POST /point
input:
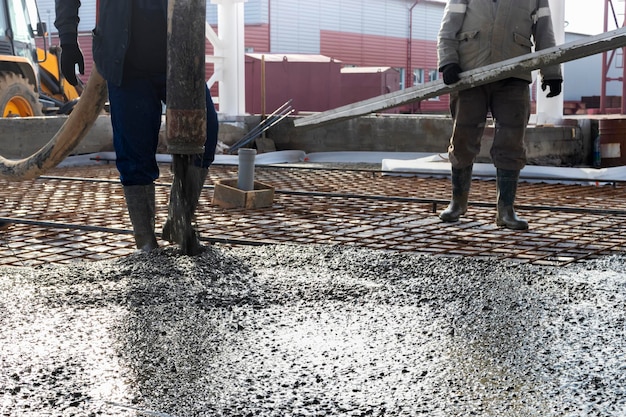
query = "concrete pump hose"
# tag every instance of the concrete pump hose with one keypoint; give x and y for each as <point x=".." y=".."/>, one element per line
<point x="77" y="125"/>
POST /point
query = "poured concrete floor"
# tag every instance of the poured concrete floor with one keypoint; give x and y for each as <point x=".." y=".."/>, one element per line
<point x="347" y="297"/>
<point x="313" y="330"/>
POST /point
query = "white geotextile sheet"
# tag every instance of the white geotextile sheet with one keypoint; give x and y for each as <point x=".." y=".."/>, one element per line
<point x="439" y="165"/>
<point x="395" y="163"/>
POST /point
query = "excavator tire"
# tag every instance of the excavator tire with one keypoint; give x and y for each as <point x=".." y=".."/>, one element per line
<point x="18" y="98"/>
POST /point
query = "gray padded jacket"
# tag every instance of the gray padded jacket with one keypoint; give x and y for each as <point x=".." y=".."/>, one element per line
<point x="475" y="33"/>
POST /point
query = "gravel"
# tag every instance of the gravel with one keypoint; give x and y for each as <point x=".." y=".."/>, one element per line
<point x="312" y="331"/>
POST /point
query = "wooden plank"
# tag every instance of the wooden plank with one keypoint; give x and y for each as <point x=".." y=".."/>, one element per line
<point x="557" y="55"/>
<point x="227" y="195"/>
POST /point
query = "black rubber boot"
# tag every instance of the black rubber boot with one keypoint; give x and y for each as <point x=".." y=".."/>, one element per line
<point x="506" y="183"/>
<point x="461" y="183"/>
<point x="141" y="208"/>
<point x="181" y="209"/>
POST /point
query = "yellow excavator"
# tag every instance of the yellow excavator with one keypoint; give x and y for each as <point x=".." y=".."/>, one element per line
<point x="31" y="82"/>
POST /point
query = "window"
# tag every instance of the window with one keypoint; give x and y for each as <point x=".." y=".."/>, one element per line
<point x="20" y="22"/>
<point x="418" y="76"/>
<point x="433" y="75"/>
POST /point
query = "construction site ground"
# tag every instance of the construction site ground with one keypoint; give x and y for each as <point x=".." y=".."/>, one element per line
<point x="78" y="214"/>
<point x="364" y="303"/>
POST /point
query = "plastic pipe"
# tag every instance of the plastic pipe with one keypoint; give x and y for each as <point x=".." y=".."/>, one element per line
<point x="245" y="180"/>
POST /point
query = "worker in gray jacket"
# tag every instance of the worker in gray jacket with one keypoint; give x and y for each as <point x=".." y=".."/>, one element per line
<point x="475" y="33"/>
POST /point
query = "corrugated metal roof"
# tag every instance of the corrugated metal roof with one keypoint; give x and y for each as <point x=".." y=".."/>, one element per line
<point x="292" y="57"/>
<point x="363" y="70"/>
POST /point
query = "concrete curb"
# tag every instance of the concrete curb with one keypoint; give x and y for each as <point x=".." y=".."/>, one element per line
<point x="568" y="145"/>
<point x="21" y="137"/>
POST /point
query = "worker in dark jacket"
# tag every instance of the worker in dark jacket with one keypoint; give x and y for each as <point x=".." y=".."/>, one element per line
<point x="475" y="33"/>
<point x="129" y="50"/>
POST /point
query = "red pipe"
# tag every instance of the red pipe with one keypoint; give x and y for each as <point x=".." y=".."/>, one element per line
<point x="604" y="61"/>
<point x="269" y="26"/>
<point x="408" y="77"/>
<point x="623" y="110"/>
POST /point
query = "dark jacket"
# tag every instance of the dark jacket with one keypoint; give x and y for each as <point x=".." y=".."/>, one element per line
<point x="117" y="51"/>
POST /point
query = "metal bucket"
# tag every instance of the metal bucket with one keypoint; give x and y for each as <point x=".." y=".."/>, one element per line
<point x="612" y="142"/>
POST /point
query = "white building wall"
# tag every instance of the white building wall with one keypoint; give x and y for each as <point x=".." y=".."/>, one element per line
<point x="87" y="14"/>
<point x="426" y="21"/>
<point x="583" y="77"/>
<point x="255" y="10"/>
<point x="295" y="26"/>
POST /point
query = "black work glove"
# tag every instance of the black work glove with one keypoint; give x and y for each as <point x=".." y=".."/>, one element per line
<point x="71" y="55"/>
<point x="451" y="73"/>
<point x="554" y="85"/>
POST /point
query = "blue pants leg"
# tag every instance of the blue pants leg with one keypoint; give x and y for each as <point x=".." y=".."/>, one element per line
<point x="136" y="119"/>
<point x="212" y="128"/>
<point x="136" y="109"/>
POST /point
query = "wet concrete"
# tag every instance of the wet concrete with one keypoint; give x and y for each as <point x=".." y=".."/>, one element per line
<point x="312" y="331"/>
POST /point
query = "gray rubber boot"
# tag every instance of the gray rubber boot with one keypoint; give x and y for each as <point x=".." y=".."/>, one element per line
<point x="506" y="183"/>
<point x="461" y="183"/>
<point x="141" y="208"/>
<point x="186" y="204"/>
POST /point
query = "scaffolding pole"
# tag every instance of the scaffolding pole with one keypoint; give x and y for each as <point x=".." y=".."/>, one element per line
<point x="609" y="58"/>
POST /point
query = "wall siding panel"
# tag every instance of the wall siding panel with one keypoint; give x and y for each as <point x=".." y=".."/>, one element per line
<point x="87" y="13"/>
<point x="371" y="50"/>
<point x="355" y="32"/>
<point x="295" y="28"/>
<point x="257" y="38"/>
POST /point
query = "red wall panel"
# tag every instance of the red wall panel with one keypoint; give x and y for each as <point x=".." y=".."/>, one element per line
<point x="313" y="85"/>
<point x="349" y="48"/>
<point x="369" y="50"/>
<point x="257" y="38"/>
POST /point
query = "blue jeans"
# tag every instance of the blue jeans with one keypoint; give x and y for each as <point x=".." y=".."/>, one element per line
<point x="136" y="109"/>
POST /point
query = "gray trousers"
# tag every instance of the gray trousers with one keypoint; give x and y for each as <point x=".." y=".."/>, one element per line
<point x="509" y="103"/>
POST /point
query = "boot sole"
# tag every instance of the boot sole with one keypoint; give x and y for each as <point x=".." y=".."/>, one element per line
<point x="511" y="226"/>
<point x="449" y="218"/>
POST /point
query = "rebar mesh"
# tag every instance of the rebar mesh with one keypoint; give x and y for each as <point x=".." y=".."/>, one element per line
<point x="77" y="214"/>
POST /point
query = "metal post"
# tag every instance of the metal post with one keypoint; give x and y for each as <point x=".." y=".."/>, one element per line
<point x="605" y="57"/>
<point x="623" y="109"/>
<point x="550" y="110"/>
<point x="230" y="50"/>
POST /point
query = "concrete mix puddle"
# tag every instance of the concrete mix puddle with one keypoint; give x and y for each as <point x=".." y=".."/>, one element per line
<point x="312" y="331"/>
